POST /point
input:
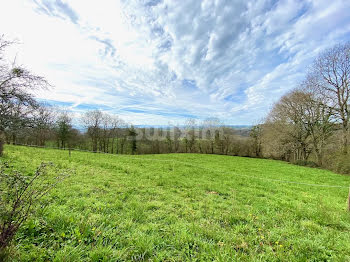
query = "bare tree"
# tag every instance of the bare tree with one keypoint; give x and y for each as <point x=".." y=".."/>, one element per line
<point x="317" y="117"/>
<point x="168" y="141"/>
<point x="177" y="135"/>
<point x="16" y="103"/>
<point x="93" y="121"/>
<point x="331" y="74"/>
<point x="106" y="126"/>
<point x="116" y="124"/>
<point x="190" y="139"/>
<point x="256" y="135"/>
<point x="210" y="125"/>
<point x="301" y="122"/>
<point x="287" y="116"/>
<point x="44" y="120"/>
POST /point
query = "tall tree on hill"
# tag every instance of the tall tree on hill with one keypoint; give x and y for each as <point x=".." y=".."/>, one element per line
<point x="16" y="103"/>
<point x="331" y="74"/>
<point x="302" y="122"/>
<point x="318" y="118"/>
<point x="287" y="118"/>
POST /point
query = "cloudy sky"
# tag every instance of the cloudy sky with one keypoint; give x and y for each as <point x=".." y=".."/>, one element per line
<point x="162" y="61"/>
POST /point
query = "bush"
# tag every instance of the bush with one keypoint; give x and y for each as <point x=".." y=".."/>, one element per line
<point x="20" y="195"/>
<point x="343" y="164"/>
<point x="306" y="163"/>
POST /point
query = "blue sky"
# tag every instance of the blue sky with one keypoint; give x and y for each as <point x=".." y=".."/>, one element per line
<point x="162" y="61"/>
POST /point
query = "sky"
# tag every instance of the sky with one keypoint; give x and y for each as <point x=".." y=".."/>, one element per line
<point x="159" y="62"/>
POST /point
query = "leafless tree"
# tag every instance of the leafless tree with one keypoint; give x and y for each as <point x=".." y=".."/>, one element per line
<point x="17" y="104"/>
<point x="318" y="117"/>
<point x="301" y="122"/>
<point x="256" y="134"/>
<point x="331" y="74"/>
<point x="93" y="121"/>
<point x="44" y="120"/>
<point x="190" y="139"/>
<point x="210" y="125"/>
<point x="106" y="126"/>
<point x="116" y="124"/>
<point x="287" y="117"/>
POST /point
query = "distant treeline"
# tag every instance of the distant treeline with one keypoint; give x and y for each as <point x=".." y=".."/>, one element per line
<point x="307" y="126"/>
<point x="108" y="133"/>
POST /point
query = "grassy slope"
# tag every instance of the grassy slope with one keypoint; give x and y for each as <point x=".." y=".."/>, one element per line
<point x="198" y="207"/>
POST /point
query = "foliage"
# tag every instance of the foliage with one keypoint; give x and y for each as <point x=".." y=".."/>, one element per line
<point x="132" y="136"/>
<point x="20" y="195"/>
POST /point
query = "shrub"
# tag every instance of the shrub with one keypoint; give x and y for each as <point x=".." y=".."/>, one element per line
<point x="20" y="195"/>
<point x="343" y="164"/>
<point x="306" y="163"/>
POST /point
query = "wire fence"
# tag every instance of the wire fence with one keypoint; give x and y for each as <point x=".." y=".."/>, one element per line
<point x="173" y="161"/>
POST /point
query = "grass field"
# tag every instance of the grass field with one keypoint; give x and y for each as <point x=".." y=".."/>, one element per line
<point x="180" y="207"/>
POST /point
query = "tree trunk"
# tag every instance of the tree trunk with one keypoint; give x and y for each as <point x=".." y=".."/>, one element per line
<point x="2" y="142"/>
<point x="318" y="157"/>
<point x="345" y="139"/>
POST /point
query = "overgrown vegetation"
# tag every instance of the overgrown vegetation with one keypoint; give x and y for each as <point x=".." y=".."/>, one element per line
<point x="180" y="207"/>
<point x="20" y="195"/>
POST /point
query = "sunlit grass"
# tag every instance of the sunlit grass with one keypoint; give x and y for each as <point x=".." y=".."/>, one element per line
<point x="178" y="207"/>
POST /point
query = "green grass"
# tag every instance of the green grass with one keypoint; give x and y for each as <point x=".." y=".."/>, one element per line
<point x="180" y="207"/>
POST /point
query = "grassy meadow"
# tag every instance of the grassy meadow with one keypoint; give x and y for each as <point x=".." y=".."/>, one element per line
<point x="183" y="207"/>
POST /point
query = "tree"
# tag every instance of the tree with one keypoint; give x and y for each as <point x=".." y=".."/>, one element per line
<point x="105" y="132"/>
<point x="168" y="141"/>
<point x="16" y="103"/>
<point x="177" y="135"/>
<point x="317" y="118"/>
<point x="190" y="139"/>
<point x="301" y="122"/>
<point x="256" y="135"/>
<point x="210" y="125"/>
<point x="63" y="128"/>
<point x="287" y="118"/>
<point x="92" y="121"/>
<point x="331" y="74"/>
<point x="44" y="119"/>
<point x="132" y="136"/>
<point x="116" y="124"/>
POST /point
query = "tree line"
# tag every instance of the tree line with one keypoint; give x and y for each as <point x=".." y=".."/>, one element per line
<point x="309" y="125"/>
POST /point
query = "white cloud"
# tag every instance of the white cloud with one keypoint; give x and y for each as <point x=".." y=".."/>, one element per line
<point x="136" y="57"/>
